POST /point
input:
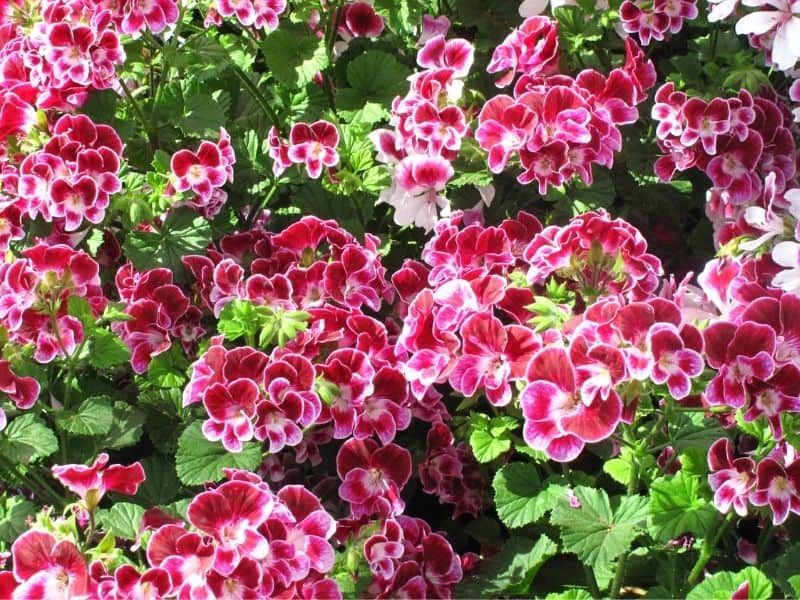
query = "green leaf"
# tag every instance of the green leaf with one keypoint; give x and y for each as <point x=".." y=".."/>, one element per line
<point x="123" y="519"/>
<point x="570" y="594"/>
<point x="107" y="350"/>
<point x="490" y="437"/>
<point x="676" y="507"/>
<point x="161" y="485"/>
<point x="783" y="568"/>
<point x="15" y="511"/>
<point x="520" y="497"/>
<point x="720" y="586"/>
<point x="204" y="113"/>
<point x="374" y="76"/>
<point x="510" y="572"/>
<point x="126" y="427"/>
<point x="486" y="447"/>
<point x="184" y="232"/>
<point x="241" y="318"/>
<point x="594" y="531"/>
<point x="168" y="369"/>
<point x="27" y="439"/>
<point x="79" y="308"/>
<point x="199" y="460"/>
<point x="94" y="417"/>
<point x="294" y="55"/>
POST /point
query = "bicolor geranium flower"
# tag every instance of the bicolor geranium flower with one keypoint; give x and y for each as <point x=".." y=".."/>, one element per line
<point x="674" y="363"/>
<point x="153" y="583"/>
<point x="532" y="49"/>
<point x="22" y="391"/>
<point x="47" y="567"/>
<point x="187" y="556"/>
<point x="492" y="356"/>
<point x="232" y="514"/>
<point x="505" y="127"/>
<point x="314" y="145"/>
<point x="456" y="54"/>
<point x="731" y="479"/>
<point x="415" y="192"/>
<point x="231" y="409"/>
<point x="557" y="421"/>
<point x="742" y="354"/>
<point x="705" y="121"/>
<point x="777" y="487"/>
<point x="783" y="22"/>
<point x="359" y="19"/>
<point x="451" y="472"/>
<point x="373" y="477"/>
<point x="200" y="172"/>
<point x="260" y="14"/>
<point x="92" y="483"/>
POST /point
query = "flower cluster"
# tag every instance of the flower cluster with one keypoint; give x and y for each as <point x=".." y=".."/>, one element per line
<point x="70" y="49"/>
<point x="343" y="354"/>
<point x="34" y="294"/>
<point x="428" y="129"/>
<point x="557" y="126"/>
<point x="408" y="560"/>
<point x="655" y="19"/>
<point x="453" y="330"/>
<point x="66" y="182"/>
<point x="258" y="14"/>
<point x="773" y="482"/>
<point x="738" y="142"/>
<point x="134" y="16"/>
<point x="311" y="145"/>
<point x="745" y="146"/>
<point x="158" y="312"/>
<point x="245" y="540"/>
<point x="451" y="473"/>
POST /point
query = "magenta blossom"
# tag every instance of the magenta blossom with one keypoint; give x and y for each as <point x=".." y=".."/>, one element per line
<point x="92" y="483"/>
<point x="232" y="514"/>
<point x="557" y="421"/>
<point x="778" y="487"/>
<point x="373" y="477"/>
<point x="314" y="145"/>
<point x="731" y="479"/>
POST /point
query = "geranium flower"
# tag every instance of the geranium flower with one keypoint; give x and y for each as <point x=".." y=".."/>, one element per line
<point x="232" y="514"/>
<point x="778" y="487"/>
<point x="782" y="21"/>
<point x="200" y="172"/>
<point x="92" y="483"/>
<point x="731" y="479"/>
<point x="47" y="567"/>
<point x="314" y="145"/>
<point x="372" y="477"/>
<point x="415" y="190"/>
<point x="674" y="363"/>
<point x="231" y="409"/>
<point x="456" y="54"/>
<point x="557" y="421"/>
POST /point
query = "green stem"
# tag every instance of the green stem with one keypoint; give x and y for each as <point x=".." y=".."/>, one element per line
<point x="336" y="13"/>
<point x="40" y="488"/>
<point x="633" y="482"/>
<point x="591" y="582"/>
<point x="261" y="205"/>
<point x="707" y="550"/>
<point x="137" y="110"/>
<point x="258" y="97"/>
